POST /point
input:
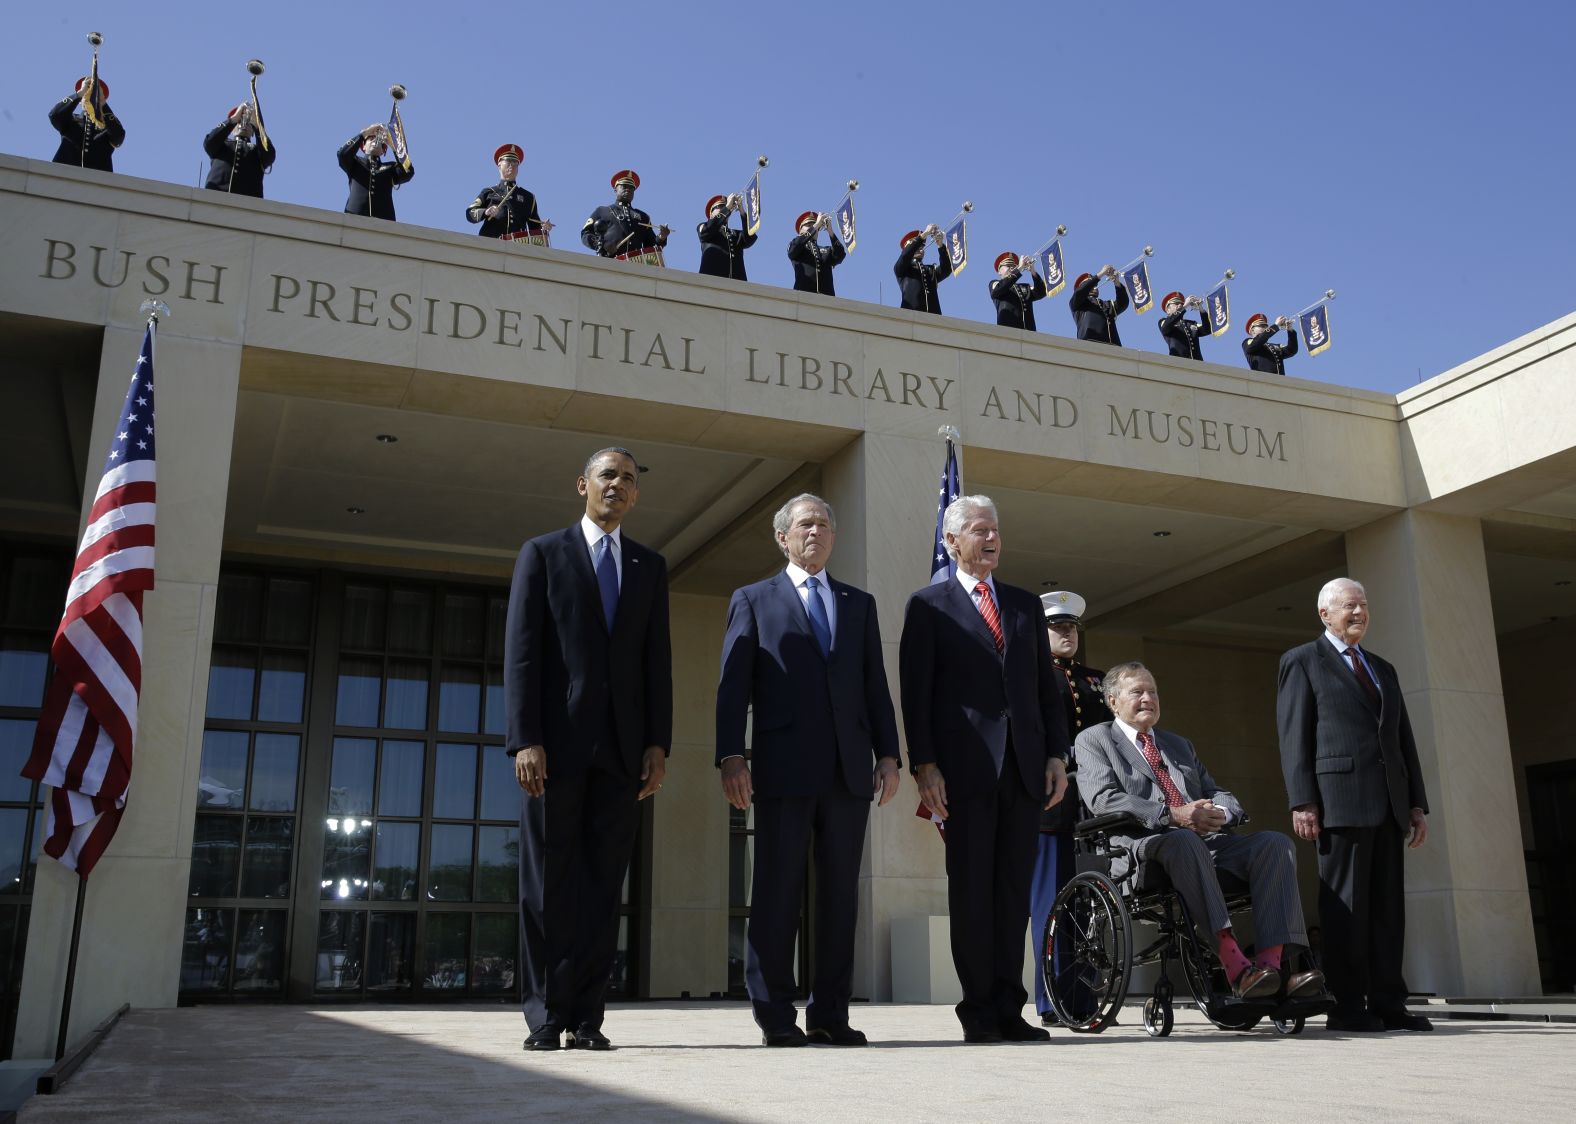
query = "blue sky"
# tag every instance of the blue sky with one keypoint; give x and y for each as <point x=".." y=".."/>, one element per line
<point x="1417" y="159"/>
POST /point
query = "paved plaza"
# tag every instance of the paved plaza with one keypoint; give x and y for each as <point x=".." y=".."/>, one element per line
<point x="701" y="1061"/>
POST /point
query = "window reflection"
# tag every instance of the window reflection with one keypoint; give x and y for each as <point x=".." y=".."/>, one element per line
<point x="205" y="950"/>
<point x="463" y="624"/>
<point x="410" y="621"/>
<point x="16" y="744"/>
<point x="405" y="701"/>
<point x="360" y="680"/>
<point x="289" y="611"/>
<point x="350" y="777"/>
<point x="347" y="859"/>
<point x="24" y="663"/>
<point x="392" y="951"/>
<point x="454" y="782"/>
<point x="221" y="778"/>
<point x="500" y="790"/>
<point x="395" y="862"/>
<point x="497" y="949"/>
<point x="259" y="950"/>
<point x="283" y="687"/>
<point x="239" y="609"/>
<point x="450" y="877"/>
<point x="460" y="698"/>
<point x="447" y="951"/>
<point x="341" y="937"/>
<point x="400" y="781"/>
<point x="265" y="866"/>
<point x="35" y="593"/>
<point x="497" y="864"/>
<point x="13" y="848"/>
<point x="231" y="676"/>
<point x="274" y="761"/>
<point x="362" y="618"/>
<point x="216" y="854"/>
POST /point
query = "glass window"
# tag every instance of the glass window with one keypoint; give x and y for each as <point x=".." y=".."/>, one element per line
<point x="289" y="611"/>
<point x="447" y="951"/>
<point x="13" y="944"/>
<point x="341" y="938"/>
<point x="400" y="781"/>
<point x="464" y="624"/>
<point x="265" y="867"/>
<point x="347" y="859"/>
<point x="239" y="609"/>
<point x="500" y="790"/>
<point x="24" y="665"/>
<point x="283" y="689"/>
<point x="16" y="745"/>
<point x="494" y="722"/>
<point x="216" y="855"/>
<point x="497" y="864"/>
<point x="359" y="682"/>
<point x="13" y="848"/>
<point x="275" y="759"/>
<point x="450" y="866"/>
<point x="36" y="593"/>
<point x="260" y="950"/>
<point x="460" y="698"/>
<point x="350" y="778"/>
<point x="454" y="782"/>
<point x="231" y="676"/>
<point x="392" y="953"/>
<point x="362" y="618"/>
<point x="497" y="618"/>
<point x="221" y="779"/>
<point x="405" y="705"/>
<point x="410" y="621"/>
<point x="394" y="872"/>
<point x="205" y="950"/>
<point x="497" y="950"/>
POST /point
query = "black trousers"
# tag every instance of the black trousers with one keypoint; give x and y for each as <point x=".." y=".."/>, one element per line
<point x="784" y="827"/>
<point x="992" y="839"/>
<point x="1362" y="907"/>
<point x="575" y="843"/>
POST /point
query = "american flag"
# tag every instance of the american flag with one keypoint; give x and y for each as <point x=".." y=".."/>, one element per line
<point x="942" y="567"/>
<point x="83" y="745"/>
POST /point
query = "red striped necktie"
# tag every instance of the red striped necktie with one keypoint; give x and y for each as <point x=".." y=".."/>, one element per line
<point x="1151" y="752"/>
<point x="992" y="616"/>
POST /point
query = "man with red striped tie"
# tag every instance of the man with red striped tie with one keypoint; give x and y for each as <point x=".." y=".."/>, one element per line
<point x="987" y="743"/>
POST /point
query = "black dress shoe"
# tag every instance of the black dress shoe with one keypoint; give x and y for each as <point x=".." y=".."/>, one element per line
<point x="587" y="1038"/>
<point x="1020" y="1031"/>
<point x="545" y="1038"/>
<point x="1360" y="1023"/>
<point x="1304" y="985"/>
<point x="788" y="1036"/>
<point x="1403" y="1020"/>
<point x="981" y="1037"/>
<point x="836" y="1036"/>
<point x="1050" y="1019"/>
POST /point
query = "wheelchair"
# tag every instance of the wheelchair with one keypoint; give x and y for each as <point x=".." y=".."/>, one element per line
<point x="1087" y="952"/>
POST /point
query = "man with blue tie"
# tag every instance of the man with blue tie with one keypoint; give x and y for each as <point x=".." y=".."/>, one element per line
<point x="805" y="651"/>
<point x="588" y="694"/>
<point x="987" y="742"/>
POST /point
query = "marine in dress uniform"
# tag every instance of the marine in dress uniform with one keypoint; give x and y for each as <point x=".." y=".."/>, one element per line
<point x="812" y="262"/>
<point x="372" y="179"/>
<point x="1182" y="335"/>
<point x="238" y="160"/>
<point x="621" y="228"/>
<point x="1014" y="301"/>
<point x="917" y="280"/>
<point x="1094" y="318"/>
<point x="82" y="143"/>
<point x="1083" y="702"/>
<point x="721" y="246"/>
<point x="1269" y="358"/>
<point x="506" y="210"/>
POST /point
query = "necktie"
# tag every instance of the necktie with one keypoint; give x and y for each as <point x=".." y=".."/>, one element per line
<point x="607" y="579"/>
<point x="1364" y="680"/>
<point x="992" y="617"/>
<point x="818" y="621"/>
<point x="1146" y="746"/>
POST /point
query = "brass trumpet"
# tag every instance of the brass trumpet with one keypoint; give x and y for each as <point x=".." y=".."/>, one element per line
<point x="254" y="67"/>
<point x="90" y="100"/>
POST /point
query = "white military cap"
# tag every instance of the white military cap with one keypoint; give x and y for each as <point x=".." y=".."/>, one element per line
<point x="1063" y="605"/>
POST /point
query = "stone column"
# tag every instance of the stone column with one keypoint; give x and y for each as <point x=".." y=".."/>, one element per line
<point x="1469" y="923"/>
<point x="136" y="899"/>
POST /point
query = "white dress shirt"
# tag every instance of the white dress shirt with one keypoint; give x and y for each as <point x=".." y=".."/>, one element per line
<point x="1131" y="734"/>
<point x="594" y="536"/>
<point x="1340" y="650"/>
<point x="798" y="576"/>
<point x="968" y="581"/>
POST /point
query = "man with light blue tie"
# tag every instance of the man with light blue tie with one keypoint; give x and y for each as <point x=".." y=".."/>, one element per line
<point x="588" y="695"/>
<point x="805" y="651"/>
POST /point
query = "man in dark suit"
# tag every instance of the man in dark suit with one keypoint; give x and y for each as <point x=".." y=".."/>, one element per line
<point x="83" y="143"/>
<point x="238" y="154"/>
<point x="588" y="691"/>
<point x="372" y="179"/>
<point x="1127" y="765"/>
<point x="506" y="210"/>
<point x="721" y="246"/>
<point x="805" y="650"/>
<point x="621" y="228"/>
<point x="1095" y="319"/>
<point x="987" y="741"/>
<point x="1180" y="333"/>
<point x="1262" y="355"/>
<point x="917" y="281"/>
<point x="1355" y="788"/>
<point x="812" y="262"/>
<point x="1015" y="302"/>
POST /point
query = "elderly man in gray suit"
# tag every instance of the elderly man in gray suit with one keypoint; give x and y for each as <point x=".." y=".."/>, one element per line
<point x="1127" y="765"/>
<point x="1356" y="791"/>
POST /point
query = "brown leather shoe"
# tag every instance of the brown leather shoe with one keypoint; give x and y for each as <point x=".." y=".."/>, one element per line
<point x="1256" y="983"/>
<point x="1302" y="985"/>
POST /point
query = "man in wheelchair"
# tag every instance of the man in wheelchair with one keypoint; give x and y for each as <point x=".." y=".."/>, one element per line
<point x="1181" y="821"/>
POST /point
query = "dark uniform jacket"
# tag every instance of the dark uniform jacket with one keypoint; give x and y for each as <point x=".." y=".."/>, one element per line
<point x="1182" y="334"/>
<point x="1083" y="701"/>
<point x="80" y="143"/>
<point x="918" y="281"/>
<point x="722" y="248"/>
<point x="1270" y="358"/>
<point x="237" y="167"/>
<point x="516" y="210"/>
<point x="372" y="182"/>
<point x="616" y="229"/>
<point x="1014" y="306"/>
<point x="813" y="263"/>
<point x="1094" y="318"/>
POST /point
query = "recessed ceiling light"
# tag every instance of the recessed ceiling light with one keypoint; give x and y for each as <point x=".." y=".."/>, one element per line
<point x="1563" y="581"/>
<point x="354" y="510"/>
<point x="1049" y="581"/>
<point x="387" y="439"/>
<point x="1283" y="608"/>
<point x="1162" y="534"/>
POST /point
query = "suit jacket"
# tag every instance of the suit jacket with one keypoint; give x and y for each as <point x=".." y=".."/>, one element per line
<point x="1270" y="358"/>
<point x="818" y="718"/>
<point x="813" y="264"/>
<point x="1357" y="762"/>
<point x="1114" y="777"/>
<point x="1083" y="701"/>
<point x="569" y="684"/>
<point x="722" y="248"/>
<point x="1015" y="302"/>
<point x="516" y="210"/>
<point x="1182" y="335"/>
<point x="1094" y="318"/>
<point x="238" y="170"/>
<point x="616" y="229"/>
<point x="918" y="281"/>
<point x="82" y="144"/>
<point x="372" y="182"/>
<point x="962" y="701"/>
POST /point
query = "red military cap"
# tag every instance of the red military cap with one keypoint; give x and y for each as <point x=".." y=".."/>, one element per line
<point x="511" y="150"/>
<point x="1006" y="255"/>
<point x="626" y="176"/>
<point x="713" y="201"/>
<point x="906" y="239"/>
<point x="808" y="216"/>
<point x="235" y="111"/>
<point x="1082" y="277"/>
<point x="1256" y="318"/>
<point x="103" y="88"/>
<point x="1171" y="296"/>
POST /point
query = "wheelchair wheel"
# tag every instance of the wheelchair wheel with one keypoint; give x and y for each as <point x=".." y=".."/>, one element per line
<point x="1289" y="1026"/>
<point x="1158" y="1018"/>
<point x="1086" y="954"/>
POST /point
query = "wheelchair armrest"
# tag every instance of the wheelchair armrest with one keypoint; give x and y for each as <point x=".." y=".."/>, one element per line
<point x="1106" y="822"/>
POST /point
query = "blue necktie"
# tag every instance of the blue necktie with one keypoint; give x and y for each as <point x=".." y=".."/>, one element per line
<point x="818" y="622"/>
<point x="607" y="580"/>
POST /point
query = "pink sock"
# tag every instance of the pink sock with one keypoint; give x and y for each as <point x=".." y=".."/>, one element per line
<point x="1269" y="957"/>
<point x="1231" y="954"/>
